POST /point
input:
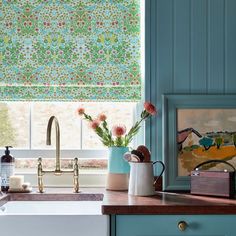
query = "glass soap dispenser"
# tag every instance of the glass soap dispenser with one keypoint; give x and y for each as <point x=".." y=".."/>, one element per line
<point x="7" y="168"/>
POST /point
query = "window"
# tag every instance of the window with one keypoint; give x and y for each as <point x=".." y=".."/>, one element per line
<point x="59" y="53"/>
<point x="23" y="125"/>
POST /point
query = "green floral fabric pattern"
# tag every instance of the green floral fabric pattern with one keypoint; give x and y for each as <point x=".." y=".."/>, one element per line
<point x="81" y="50"/>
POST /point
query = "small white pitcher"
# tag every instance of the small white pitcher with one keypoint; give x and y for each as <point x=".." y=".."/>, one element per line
<point x="141" y="182"/>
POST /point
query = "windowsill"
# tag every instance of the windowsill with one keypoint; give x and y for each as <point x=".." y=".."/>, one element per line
<point x="81" y="172"/>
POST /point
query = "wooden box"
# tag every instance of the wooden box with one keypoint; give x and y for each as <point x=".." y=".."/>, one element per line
<point x="213" y="183"/>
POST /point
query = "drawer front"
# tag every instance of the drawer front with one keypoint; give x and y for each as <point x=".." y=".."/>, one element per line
<point x="168" y="225"/>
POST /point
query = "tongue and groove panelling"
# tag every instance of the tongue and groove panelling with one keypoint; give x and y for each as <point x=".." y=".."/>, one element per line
<point x="190" y="49"/>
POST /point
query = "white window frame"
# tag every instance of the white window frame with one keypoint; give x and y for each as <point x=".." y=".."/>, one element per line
<point x="65" y="153"/>
<point x="72" y="153"/>
<point x="88" y="178"/>
<point x="79" y="152"/>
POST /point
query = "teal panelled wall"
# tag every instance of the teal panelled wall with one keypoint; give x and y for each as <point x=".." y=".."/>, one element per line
<point x="190" y="49"/>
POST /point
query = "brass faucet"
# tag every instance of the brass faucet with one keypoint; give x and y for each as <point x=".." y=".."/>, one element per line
<point x="58" y="170"/>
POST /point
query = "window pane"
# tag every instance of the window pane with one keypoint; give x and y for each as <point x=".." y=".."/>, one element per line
<point x="117" y="113"/>
<point x="68" y="121"/>
<point x="14" y="124"/>
<point x="15" y="121"/>
<point x="29" y="165"/>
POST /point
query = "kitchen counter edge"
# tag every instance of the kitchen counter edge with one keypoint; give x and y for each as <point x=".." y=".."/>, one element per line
<point x="120" y="203"/>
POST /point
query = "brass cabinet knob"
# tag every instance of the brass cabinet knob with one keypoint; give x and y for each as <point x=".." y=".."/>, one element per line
<point x="182" y="225"/>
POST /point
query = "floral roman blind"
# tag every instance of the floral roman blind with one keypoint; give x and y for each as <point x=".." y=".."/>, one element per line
<point x="71" y="50"/>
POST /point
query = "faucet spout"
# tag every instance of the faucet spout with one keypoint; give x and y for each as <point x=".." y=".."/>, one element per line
<point x="57" y="171"/>
<point x="48" y="141"/>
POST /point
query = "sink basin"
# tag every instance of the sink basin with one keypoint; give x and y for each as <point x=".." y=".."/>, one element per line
<point x="51" y="208"/>
<point x="54" y="218"/>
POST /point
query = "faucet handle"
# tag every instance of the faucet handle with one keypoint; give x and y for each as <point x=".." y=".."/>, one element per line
<point x="40" y="175"/>
<point x="40" y="167"/>
<point x="76" y="175"/>
<point x="76" y="160"/>
<point x="76" y="167"/>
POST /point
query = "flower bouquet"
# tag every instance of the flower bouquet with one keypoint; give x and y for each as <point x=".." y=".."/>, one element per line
<point x="117" y="140"/>
<point x="118" y="135"/>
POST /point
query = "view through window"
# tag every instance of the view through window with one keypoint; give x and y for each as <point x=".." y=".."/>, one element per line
<point x="23" y="125"/>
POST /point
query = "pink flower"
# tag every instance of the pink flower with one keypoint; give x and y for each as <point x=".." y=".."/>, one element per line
<point x="80" y="111"/>
<point x="150" y="108"/>
<point x="102" y="117"/>
<point x="118" y="130"/>
<point x="94" y="124"/>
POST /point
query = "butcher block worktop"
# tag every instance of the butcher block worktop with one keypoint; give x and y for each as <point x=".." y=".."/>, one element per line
<point x="166" y="203"/>
<point x="119" y="202"/>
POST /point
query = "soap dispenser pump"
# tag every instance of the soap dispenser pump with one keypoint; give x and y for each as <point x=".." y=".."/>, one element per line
<point x="7" y="168"/>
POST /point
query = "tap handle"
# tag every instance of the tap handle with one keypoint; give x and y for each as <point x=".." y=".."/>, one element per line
<point x="76" y="175"/>
<point x="40" y="167"/>
<point x="76" y="160"/>
<point x="76" y="167"/>
<point x="40" y="175"/>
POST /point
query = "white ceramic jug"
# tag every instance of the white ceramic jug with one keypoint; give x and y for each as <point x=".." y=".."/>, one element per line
<point x="141" y="182"/>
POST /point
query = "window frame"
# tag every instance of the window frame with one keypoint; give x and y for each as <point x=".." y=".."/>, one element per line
<point x="65" y="153"/>
<point x="72" y="153"/>
<point x="88" y="178"/>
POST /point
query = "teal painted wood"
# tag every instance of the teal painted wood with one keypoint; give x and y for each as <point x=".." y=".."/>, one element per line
<point x="230" y="39"/>
<point x="215" y="44"/>
<point x="164" y="51"/>
<point x="116" y="163"/>
<point x="112" y="225"/>
<point x="199" y="46"/>
<point x="162" y="31"/>
<point x="170" y="104"/>
<point x="153" y="84"/>
<point x="182" y="54"/>
<point x="150" y="60"/>
<point x="203" y="46"/>
<point x="166" y="225"/>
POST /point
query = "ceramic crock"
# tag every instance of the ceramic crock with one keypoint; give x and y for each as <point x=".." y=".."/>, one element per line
<point x="118" y="169"/>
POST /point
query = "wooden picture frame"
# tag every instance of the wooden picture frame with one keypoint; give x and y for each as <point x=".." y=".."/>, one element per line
<point x="172" y="104"/>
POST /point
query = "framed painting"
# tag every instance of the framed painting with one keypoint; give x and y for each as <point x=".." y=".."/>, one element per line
<point x="196" y="128"/>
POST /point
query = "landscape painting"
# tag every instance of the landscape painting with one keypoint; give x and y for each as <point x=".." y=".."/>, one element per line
<point x="205" y="134"/>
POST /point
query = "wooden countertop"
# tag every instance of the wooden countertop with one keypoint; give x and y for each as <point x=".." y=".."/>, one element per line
<point x="165" y="203"/>
<point x="119" y="202"/>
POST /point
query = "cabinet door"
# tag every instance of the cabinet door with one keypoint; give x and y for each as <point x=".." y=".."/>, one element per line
<point x="167" y="225"/>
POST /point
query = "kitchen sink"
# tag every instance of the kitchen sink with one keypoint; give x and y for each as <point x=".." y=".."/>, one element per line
<point x="51" y="208"/>
<point x="53" y="218"/>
